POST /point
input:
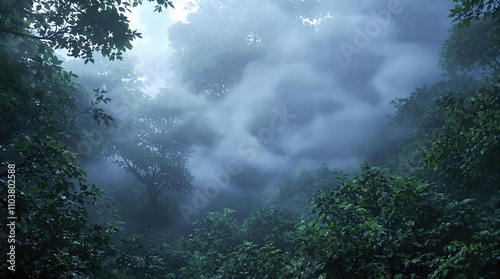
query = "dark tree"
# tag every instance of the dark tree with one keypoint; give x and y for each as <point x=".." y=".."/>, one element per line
<point x="154" y="145"/>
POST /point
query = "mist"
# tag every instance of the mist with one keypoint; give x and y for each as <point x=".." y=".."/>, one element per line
<point x="250" y="139"/>
<point x="305" y="84"/>
<point x="308" y="83"/>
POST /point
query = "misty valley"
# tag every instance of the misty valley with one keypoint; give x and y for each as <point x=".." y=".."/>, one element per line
<point x="250" y="139"/>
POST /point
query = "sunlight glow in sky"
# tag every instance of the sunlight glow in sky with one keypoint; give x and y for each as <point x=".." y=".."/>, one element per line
<point x="154" y="43"/>
<point x="180" y="13"/>
<point x="183" y="9"/>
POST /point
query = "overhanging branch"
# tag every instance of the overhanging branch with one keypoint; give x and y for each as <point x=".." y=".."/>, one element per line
<point x="31" y="36"/>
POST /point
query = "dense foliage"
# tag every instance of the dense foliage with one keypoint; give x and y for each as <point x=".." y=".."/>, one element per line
<point x="38" y="101"/>
<point x="40" y="106"/>
<point x="429" y="210"/>
<point x="392" y="226"/>
<point x="80" y="27"/>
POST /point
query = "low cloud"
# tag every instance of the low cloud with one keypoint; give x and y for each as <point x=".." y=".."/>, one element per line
<point x="338" y="99"/>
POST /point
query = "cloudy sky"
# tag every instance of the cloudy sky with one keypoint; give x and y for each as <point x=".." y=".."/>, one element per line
<point x="315" y="82"/>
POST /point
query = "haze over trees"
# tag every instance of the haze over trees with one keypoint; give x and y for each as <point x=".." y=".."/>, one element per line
<point x="424" y="204"/>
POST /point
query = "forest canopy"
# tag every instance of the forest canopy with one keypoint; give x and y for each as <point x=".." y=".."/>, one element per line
<point x="424" y="204"/>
